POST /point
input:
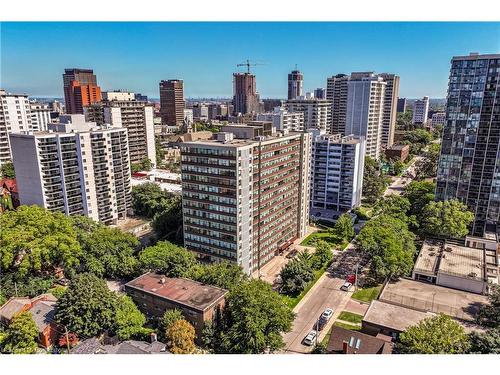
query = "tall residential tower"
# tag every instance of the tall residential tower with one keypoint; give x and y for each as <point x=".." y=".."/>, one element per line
<point x="80" y="89"/>
<point x="172" y="102"/>
<point x="295" y="82"/>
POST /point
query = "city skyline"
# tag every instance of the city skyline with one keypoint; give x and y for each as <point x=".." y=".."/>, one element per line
<point x="136" y="56"/>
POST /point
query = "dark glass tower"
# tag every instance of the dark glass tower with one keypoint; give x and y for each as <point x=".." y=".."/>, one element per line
<point x="469" y="164"/>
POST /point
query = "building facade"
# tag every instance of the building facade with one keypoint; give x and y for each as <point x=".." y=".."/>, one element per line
<point x="365" y="110"/>
<point x="40" y="116"/>
<point x="136" y="117"/>
<point x="283" y="119"/>
<point x="245" y="97"/>
<point x="172" y="102"/>
<point x="295" y="83"/>
<point x="336" y="93"/>
<point x="438" y="119"/>
<point x="317" y="112"/>
<point x="401" y="105"/>
<point x="76" y="168"/>
<point x="469" y="164"/>
<point x="245" y="200"/>
<point x="336" y="174"/>
<point x="15" y="117"/>
<point x="421" y="111"/>
<point x="118" y="95"/>
<point x="390" y="108"/>
<point x="80" y="89"/>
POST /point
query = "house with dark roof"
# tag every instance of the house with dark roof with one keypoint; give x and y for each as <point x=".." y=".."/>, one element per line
<point x="199" y="303"/>
<point x="42" y="310"/>
<point x="344" y="341"/>
<point x="93" y="346"/>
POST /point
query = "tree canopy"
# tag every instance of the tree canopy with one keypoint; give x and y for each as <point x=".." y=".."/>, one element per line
<point x="180" y="337"/>
<point x="435" y="335"/>
<point x="255" y="317"/>
<point x="485" y="342"/>
<point x="33" y="240"/>
<point x="295" y="276"/>
<point x="419" y="194"/>
<point x="489" y="315"/>
<point x="344" y="227"/>
<point x="374" y="182"/>
<point x="223" y="275"/>
<point x="128" y="321"/>
<point x="7" y="170"/>
<point x="449" y="218"/>
<point x="168" y="259"/>
<point x="427" y="166"/>
<point x="168" y="319"/>
<point x="395" y="206"/>
<point x="21" y="335"/>
<point x="87" y="307"/>
<point x="389" y="244"/>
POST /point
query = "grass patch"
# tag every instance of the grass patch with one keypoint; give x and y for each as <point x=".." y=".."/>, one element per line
<point x="347" y="326"/>
<point x="350" y="317"/>
<point x="327" y="337"/>
<point x="293" y="301"/>
<point x="367" y="294"/>
<point x="363" y="212"/>
<point x="326" y="236"/>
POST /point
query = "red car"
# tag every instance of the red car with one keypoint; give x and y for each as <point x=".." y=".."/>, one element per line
<point x="351" y="278"/>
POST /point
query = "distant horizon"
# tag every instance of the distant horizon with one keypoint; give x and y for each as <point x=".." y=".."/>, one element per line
<point x="136" y="56"/>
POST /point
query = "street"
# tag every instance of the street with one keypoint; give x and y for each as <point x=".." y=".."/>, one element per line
<point x="399" y="183"/>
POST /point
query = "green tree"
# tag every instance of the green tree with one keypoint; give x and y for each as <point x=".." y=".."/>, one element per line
<point x="404" y="120"/>
<point x="435" y="335"/>
<point x="223" y="275"/>
<point x="295" y="276"/>
<point x="87" y="307"/>
<point x="168" y="259"/>
<point x="255" y="317"/>
<point x="30" y="286"/>
<point x="209" y="336"/>
<point x="485" y="342"/>
<point x="417" y="139"/>
<point x="128" y="320"/>
<point x="107" y="252"/>
<point x="419" y="194"/>
<point x="389" y="245"/>
<point x="398" y="167"/>
<point x="322" y="256"/>
<point x="146" y="199"/>
<point x="449" y="218"/>
<point x="57" y="291"/>
<point x="169" y="318"/>
<point x="344" y="228"/>
<point x="427" y="166"/>
<point x="160" y="152"/>
<point x="21" y="335"/>
<point x="180" y="337"/>
<point x="34" y="239"/>
<point x="374" y="182"/>
<point x="167" y="222"/>
<point x="144" y="165"/>
<point x="320" y="348"/>
<point x="7" y="170"/>
<point x="489" y="315"/>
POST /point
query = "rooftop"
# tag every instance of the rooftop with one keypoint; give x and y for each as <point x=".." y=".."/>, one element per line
<point x="183" y="291"/>
<point x="397" y="318"/>
<point x="450" y="258"/>
<point x="358" y="343"/>
<point x="237" y="142"/>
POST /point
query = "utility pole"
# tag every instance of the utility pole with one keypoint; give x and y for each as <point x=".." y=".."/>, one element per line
<point x="356" y="278"/>
<point x="67" y="338"/>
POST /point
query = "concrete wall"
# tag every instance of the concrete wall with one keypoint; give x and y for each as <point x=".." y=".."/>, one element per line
<point x="461" y="283"/>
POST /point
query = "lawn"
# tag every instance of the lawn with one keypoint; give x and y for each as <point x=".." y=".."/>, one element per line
<point x="367" y="294"/>
<point x="326" y="236"/>
<point x="350" y="317"/>
<point x="352" y="327"/>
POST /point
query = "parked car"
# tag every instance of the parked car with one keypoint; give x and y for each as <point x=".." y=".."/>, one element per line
<point x="310" y="339"/>
<point x="324" y="318"/>
<point x="291" y="254"/>
<point x="346" y="286"/>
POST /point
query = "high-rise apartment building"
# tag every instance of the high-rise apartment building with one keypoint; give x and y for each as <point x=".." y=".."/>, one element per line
<point x="317" y="112"/>
<point x="390" y="107"/>
<point x="401" y="105"/>
<point x="245" y="200"/>
<point x="80" y="89"/>
<point x="118" y="95"/>
<point x="136" y="117"/>
<point x="40" y="116"/>
<point x="336" y="93"/>
<point x="336" y="174"/>
<point x="469" y="164"/>
<point x="172" y="102"/>
<point x="200" y="112"/>
<point x="15" y="117"/>
<point x="295" y="82"/>
<point x="76" y="168"/>
<point x="365" y="110"/>
<point x="283" y="119"/>
<point x="421" y="111"/>
<point x="245" y="97"/>
<point x="438" y="119"/>
<point x="320" y="93"/>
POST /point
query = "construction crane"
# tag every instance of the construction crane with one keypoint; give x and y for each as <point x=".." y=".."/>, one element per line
<point x="248" y="64"/>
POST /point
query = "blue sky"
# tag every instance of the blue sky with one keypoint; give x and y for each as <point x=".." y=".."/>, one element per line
<point x="136" y="56"/>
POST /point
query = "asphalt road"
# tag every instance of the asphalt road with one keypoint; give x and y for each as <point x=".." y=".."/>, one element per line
<point x="399" y="183"/>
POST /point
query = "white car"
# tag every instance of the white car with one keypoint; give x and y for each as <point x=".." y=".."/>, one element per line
<point x="346" y="286"/>
<point x="310" y="339"/>
<point x="327" y="314"/>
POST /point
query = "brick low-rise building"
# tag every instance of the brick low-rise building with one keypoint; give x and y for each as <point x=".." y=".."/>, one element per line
<point x="199" y="303"/>
<point x="398" y="152"/>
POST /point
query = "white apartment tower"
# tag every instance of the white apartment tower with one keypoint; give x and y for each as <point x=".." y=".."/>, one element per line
<point x="317" y="112"/>
<point x="421" y="110"/>
<point x="40" y="116"/>
<point x="245" y="200"/>
<point x="283" y="119"/>
<point x="336" y="174"/>
<point x="390" y="108"/>
<point x="76" y="167"/>
<point x="14" y="117"/>
<point x="365" y="110"/>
